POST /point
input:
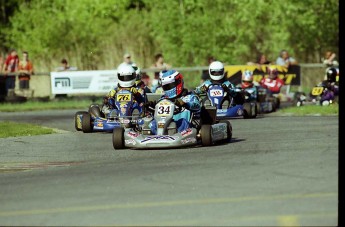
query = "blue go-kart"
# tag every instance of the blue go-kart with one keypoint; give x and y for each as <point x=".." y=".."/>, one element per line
<point x="126" y="113"/>
<point x="226" y="105"/>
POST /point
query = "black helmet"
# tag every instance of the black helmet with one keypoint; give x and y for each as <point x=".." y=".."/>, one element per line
<point x="331" y="74"/>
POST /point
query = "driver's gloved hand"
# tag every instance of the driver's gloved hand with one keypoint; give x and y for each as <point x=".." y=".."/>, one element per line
<point x="203" y="88"/>
<point x="179" y="102"/>
<point x="226" y="88"/>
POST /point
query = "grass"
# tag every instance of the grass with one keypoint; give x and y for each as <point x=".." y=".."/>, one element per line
<point x="37" y="105"/>
<point x="13" y="129"/>
<point x="311" y="110"/>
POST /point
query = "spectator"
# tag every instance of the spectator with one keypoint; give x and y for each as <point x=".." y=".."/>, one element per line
<point x="205" y="75"/>
<point x="260" y="60"/>
<point x="11" y="66"/>
<point x="159" y="65"/>
<point x="285" y="60"/>
<point x="65" y="66"/>
<point x="145" y="83"/>
<point x="127" y="59"/>
<point x="25" y="71"/>
<point x="329" y="59"/>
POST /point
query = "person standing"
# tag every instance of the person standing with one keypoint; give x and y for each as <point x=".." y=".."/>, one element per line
<point x="25" y="69"/>
<point x="11" y="67"/>
<point x="285" y="60"/>
<point x="159" y="65"/>
<point x="127" y="59"/>
<point x="329" y="59"/>
<point x="65" y="66"/>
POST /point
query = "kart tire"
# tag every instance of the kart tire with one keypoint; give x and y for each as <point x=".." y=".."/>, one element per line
<point x="229" y="130"/>
<point x="94" y="110"/>
<point x="75" y="120"/>
<point x="274" y="107"/>
<point x="258" y="108"/>
<point x="206" y="135"/>
<point x="277" y="103"/>
<point x="118" y="138"/>
<point x="247" y="111"/>
<point x="86" y="123"/>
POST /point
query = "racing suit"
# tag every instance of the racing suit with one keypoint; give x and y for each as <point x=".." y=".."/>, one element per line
<point x="233" y="92"/>
<point x="109" y="100"/>
<point x="272" y="85"/>
<point x="189" y="101"/>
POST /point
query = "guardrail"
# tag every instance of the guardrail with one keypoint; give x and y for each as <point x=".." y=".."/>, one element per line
<point x="186" y="69"/>
<point x="311" y="74"/>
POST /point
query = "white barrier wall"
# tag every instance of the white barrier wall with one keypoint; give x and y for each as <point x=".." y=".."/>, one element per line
<point x="83" y="82"/>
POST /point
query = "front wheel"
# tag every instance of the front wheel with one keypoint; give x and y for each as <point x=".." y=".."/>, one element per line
<point x="206" y="135"/>
<point x="118" y="138"/>
<point x="229" y="130"/>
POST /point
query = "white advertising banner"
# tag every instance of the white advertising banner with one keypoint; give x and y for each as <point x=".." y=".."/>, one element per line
<point x="79" y="82"/>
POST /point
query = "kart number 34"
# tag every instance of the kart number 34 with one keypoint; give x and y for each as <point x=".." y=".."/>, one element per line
<point x="164" y="110"/>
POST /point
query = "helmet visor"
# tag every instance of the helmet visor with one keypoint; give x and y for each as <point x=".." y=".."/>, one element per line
<point x="167" y="87"/>
<point x="217" y="72"/>
<point x="126" y="77"/>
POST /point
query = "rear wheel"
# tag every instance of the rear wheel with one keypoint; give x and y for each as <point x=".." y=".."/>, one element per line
<point x="86" y="123"/>
<point x="229" y="130"/>
<point x="258" y="108"/>
<point x="118" y="138"/>
<point x="247" y="110"/>
<point x="77" y="121"/>
<point x="206" y="135"/>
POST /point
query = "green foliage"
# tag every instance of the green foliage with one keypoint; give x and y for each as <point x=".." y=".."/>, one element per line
<point x="94" y="34"/>
<point x="14" y="129"/>
<point x="35" y="105"/>
<point x="310" y="110"/>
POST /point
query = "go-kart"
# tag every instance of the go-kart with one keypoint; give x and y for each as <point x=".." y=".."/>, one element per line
<point x="226" y="105"/>
<point x="319" y="95"/>
<point x="205" y="129"/>
<point x="125" y="114"/>
<point x="266" y="102"/>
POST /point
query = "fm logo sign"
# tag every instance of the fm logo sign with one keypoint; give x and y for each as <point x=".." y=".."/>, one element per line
<point x="61" y="82"/>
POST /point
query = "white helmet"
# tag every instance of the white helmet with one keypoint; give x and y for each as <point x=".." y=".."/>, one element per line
<point x="126" y="75"/>
<point x="216" y="70"/>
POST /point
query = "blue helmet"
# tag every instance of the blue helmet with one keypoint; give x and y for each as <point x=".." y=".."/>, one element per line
<point x="172" y="83"/>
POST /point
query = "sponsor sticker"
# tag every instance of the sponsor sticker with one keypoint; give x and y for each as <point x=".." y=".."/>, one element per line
<point x="188" y="140"/>
<point x="133" y="134"/>
<point x="240" y="112"/>
<point x="186" y="132"/>
<point x="130" y="142"/>
<point x="159" y="138"/>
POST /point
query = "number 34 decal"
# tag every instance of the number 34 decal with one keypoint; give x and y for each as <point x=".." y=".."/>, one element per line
<point x="164" y="110"/>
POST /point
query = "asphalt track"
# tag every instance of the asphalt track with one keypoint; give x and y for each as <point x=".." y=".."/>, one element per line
<point x="277" y="171"/>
